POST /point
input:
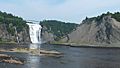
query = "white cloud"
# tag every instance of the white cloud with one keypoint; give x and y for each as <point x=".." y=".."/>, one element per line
<point x="68" y="10"/>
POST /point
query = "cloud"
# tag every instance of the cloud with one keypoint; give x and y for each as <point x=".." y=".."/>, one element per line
<point x="65" y="10"/>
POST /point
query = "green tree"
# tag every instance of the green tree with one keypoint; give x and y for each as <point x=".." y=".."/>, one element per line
<point x="58" y="28"/>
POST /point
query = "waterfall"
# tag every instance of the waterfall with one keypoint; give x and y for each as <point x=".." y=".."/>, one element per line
<point x="35" y="32"/>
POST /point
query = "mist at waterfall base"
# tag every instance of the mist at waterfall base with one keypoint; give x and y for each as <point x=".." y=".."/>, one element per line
<point x="35" y="35"/>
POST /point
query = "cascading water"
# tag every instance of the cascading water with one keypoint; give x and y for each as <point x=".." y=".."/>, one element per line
<point x="35" y="34"/>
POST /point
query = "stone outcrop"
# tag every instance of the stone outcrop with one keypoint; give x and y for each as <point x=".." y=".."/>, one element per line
<point x="92" y="31"/>
<point x="9" y="59"/>
<point x="21" y="37"/>
<point x="46" y="36"/>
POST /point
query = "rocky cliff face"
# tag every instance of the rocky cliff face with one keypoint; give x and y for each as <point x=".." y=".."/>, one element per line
<point x="53" y="30"/>
<point x="24" y="36"/>
<point x="13" y="29"/>
<point x="46" y="36"/>
<point x="21" y="36"/>
<point x="106" y="30"/>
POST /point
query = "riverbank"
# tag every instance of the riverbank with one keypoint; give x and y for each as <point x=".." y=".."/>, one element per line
<point x="10" y="59"/>
<point x="13" y="43"/>
<point x="14" y="60"/>
<point x="38" y="52"/>
<point x="89" y="45"/>
<point x="73" y="57"/>
<point x="72" y="45"/>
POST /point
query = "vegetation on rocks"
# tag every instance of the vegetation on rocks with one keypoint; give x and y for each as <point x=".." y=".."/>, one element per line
<point x="12" y="22"/>
<point x="58" y="28"/>
<point x="103" y="29"/>
<point x="115" y="15"/>
<point x="11" y="26"/>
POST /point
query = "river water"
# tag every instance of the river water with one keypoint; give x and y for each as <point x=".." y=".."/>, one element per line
<point x="73" y="58"/>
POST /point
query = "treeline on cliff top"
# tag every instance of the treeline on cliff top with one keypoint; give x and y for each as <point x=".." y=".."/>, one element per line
<point x="61" y="29"/>
<point x="115" y="15"/>
<point x="12" y="22"/>
<point x="58" y="28"/>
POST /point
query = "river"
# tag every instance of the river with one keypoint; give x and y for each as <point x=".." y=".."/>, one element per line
<point x="74" y="57"/>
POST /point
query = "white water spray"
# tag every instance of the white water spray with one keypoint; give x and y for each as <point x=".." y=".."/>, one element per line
<point x="35" y="32"/>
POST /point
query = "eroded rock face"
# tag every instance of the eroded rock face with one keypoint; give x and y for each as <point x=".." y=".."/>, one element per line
<point x="5" y="36"/>
<point x="24" y="36"/>
<point x="91" y="31"/>
<point x="46" y="36"/>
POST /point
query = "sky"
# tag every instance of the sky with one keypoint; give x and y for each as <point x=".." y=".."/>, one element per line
<point x="73" y="11"/>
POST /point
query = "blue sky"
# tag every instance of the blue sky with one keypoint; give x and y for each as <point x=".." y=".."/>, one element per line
<point x="64" y="10"/>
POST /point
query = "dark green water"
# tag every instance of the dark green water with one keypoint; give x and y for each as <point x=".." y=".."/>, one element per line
<point x="73" y="58"/>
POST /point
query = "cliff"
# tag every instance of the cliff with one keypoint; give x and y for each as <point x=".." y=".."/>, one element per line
<point x="54" y="30"/>
<point x="13" y="29"/>
<point x="104" y="29"/>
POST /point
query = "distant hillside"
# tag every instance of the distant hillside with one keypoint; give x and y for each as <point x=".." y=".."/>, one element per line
<point x="57" y="28"/>
<point x="11" y="27"/>
<point x="103" y="29"/>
